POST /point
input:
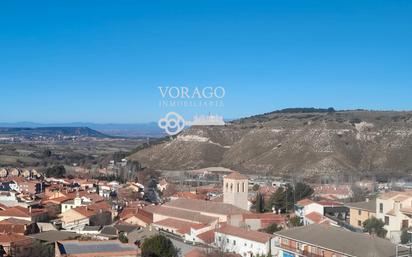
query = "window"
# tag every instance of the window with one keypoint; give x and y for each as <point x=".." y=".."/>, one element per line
<point x="234" y="242"/>
<point x="243" y="187"/>
<point x="381" y="207"/>
<point x="386" y="220"/>
<point x="359" y="223"/>
<point x="405" y="224"/>
<point x="227" y="240"/>
<point x="238" y="187"/>
<point x="311" y="249"/>
<point x="359" y="212"/>
<point x="285" y="241"/>
<point x="220" y="239"/>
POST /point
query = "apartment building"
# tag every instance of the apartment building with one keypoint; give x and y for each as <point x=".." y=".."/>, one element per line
<point x="361" y="211"/>
<point x="320" y="241"/>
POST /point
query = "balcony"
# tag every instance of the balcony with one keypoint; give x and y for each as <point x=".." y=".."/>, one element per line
<point x="298" y="252"/>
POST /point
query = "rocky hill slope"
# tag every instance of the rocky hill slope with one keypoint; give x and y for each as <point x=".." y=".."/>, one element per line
<point x="286" y="142"/>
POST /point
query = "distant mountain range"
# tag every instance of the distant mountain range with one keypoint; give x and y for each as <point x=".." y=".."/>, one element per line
<point x="123" y="130"/>
<point x="52" y="132"/>
<point x="303" y="141"/>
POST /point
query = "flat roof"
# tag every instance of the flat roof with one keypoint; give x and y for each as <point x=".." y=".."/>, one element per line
<point x="106" y="246"/>
<point x="206" y="206"/>
<point x="53" y="235"/>
<point x="366" y="205"/>
<point x="192" y="216"/>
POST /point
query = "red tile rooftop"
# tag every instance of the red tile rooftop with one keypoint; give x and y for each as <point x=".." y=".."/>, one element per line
<point x="207" y="237"/>
<point x="407" y="210"/>
<point x="304" y="202"/>
<point x="189" y="195"/>
<point x="195" y="252"/>
<point x="329" y="203"/>
<point x="7" y="238"/>
<point x="14" y="221"/>
<point x="333" y="189"/>
<point x="181" y="227"/>
<point x="267" y="215"/>
<point x="92" y="209"/>
<point x="22" y="212"/>
<point x="237" y="176"/>
<point x="315" y="217"/>
<point x="391" y="194"/>
<point x="173" y="223"/>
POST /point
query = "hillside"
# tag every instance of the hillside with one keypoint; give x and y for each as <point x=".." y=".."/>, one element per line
<point x="309" y="142"/>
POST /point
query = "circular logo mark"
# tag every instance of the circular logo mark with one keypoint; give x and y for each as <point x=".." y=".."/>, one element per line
<point x="173" y="123"/>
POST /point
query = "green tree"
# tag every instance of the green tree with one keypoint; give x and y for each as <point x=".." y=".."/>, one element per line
<point x="282" y="199"/>
<point x="56" y="171"/>
<point x="123" y="238"/>
<point x="158" y="246"/>
<point x="295" y="221"/>
<point x="272" y="228"/>
<point x="260" y="205"/>
<point x="277" y="199"/>
<point x="302" y="191"/>
<point x="405" y="238"/>
<point x="374" y="226"/>
<point x="255" y="187"/>
<point x="285" y="197"/>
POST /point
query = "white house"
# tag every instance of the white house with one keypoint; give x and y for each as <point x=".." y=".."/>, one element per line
<point x="395" y="209"/>
<point x="307" y="206"/>
<point x="247" y="243"/>
<point x="76" y="202"/>
<point x="8" y="198"/>
<point x="313" y="212"/>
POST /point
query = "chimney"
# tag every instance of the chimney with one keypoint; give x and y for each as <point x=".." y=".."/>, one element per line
<point x="397" y="207"/>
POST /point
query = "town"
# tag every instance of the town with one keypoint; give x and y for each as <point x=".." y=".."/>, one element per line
<point x="206" y="128"/>
<point x="234" y="215"/>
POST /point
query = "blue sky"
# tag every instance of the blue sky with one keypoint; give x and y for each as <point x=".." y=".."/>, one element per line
<point x="102" y="61"/>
